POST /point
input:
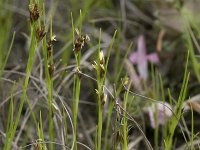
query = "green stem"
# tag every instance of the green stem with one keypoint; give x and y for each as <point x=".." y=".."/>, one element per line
<point x="110" y="109"/>
<point x="33" y="46"/>
<point x="76" y="94"/>
<point x="50" y="98"/>
<point x="100" y="113"/>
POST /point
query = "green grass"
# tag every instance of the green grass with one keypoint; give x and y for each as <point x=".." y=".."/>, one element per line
<point x="178" y="110"/>
<point x="33" y="46"/>
<point x="6" y="23"/>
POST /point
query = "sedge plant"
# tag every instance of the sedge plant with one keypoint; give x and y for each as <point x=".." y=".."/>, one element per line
<point x="78" y="44"/>
<point x="178" y="110"/>
<point x="34" y="16"/>
<point x="101" y="69"/>
<point x="6" y="23"/>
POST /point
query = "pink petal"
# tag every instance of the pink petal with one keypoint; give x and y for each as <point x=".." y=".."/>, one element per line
<point x="164" y="112"/>
<point x="165" y="108"/>
<point x="133" y="57"/>
<point x="141" y="45"/>
<point x="140" y="58"/>
<point x="151" y="117"/>
<point x="143" y="69"/>
<point x="153" y="58"/>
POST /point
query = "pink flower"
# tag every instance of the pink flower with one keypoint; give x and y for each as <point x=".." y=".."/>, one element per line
<point x="164" y="113"/>
<point x="140" y="58"/>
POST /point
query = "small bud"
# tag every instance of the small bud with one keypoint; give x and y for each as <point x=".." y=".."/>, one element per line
<point x="94" y="65"/>
<point x="53" y="38"/>
<point x="77" y="31"/>
<point x="103" y="96"/>
<point x="97" y="92"/>
<point x="100" y="67"/>
<point x="101" y="57"/>
<point x="102" y="70"/>
<point x="87" y="38"/>
<point x="125" y="81"/>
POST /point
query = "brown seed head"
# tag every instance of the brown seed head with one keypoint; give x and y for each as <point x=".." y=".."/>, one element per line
<point x="37" y="144"/>
<point x="34" y="12"/>
<point x="51" y="69"/>
<point x="50" y="46"/>
<point x="40" y="33"/>
<point x="80" y="41"/>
